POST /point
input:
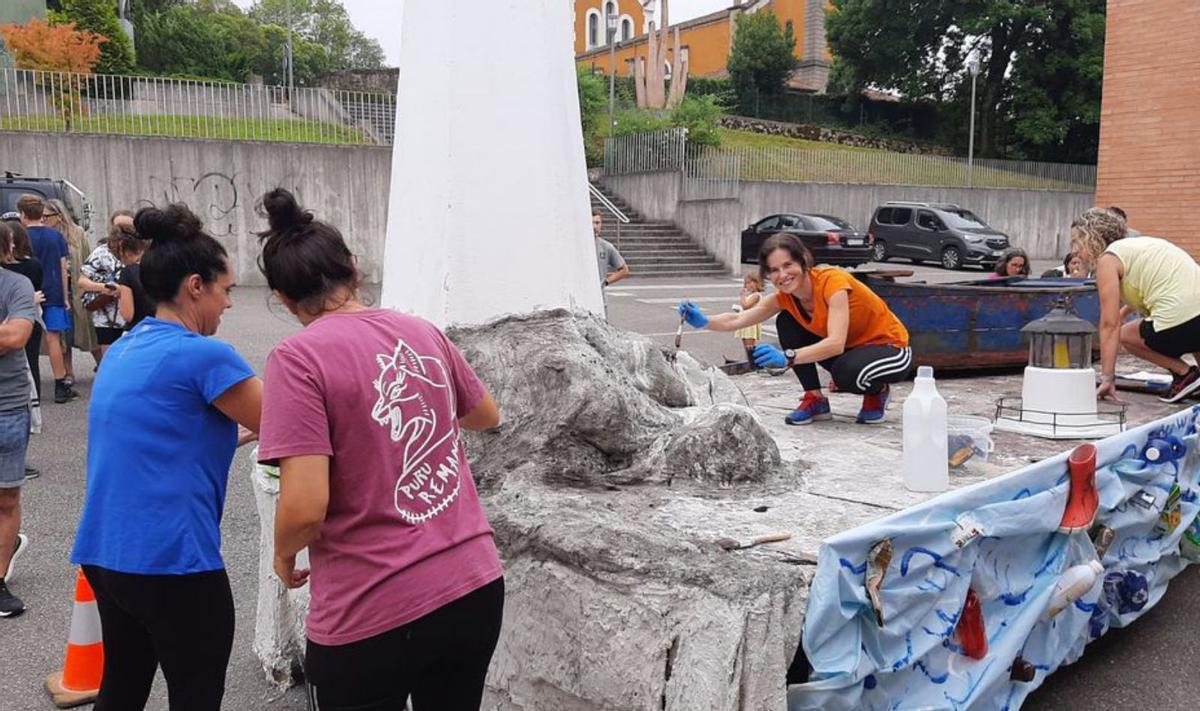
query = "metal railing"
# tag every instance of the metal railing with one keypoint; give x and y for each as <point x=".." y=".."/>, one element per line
<point x="61" y="102"/>
<point x="662" y="150"/>
<point x="622" y="218"/>
<point x="710" y="174"/>
<point x="645" y="152"/>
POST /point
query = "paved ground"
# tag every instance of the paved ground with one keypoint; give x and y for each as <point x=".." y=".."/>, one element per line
<point x="1148" y="665"/>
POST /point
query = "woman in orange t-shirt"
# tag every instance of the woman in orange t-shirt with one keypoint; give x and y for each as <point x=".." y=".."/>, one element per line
<point x="826" y="316"/>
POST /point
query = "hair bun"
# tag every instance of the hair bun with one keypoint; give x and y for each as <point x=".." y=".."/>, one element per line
<point x="283" y="212"/>
<point x="174" y="223"/>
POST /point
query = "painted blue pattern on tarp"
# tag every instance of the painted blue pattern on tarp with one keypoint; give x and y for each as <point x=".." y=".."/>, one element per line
<point x="1012" y="555"/>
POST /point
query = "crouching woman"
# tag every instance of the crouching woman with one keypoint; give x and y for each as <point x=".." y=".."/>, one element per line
<point x="825" y="316"/>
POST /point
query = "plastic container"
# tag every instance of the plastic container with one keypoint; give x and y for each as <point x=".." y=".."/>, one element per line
<point x="970" y="431"/>
<point x="926" y="467"/>
<point x="1072" y="584"/>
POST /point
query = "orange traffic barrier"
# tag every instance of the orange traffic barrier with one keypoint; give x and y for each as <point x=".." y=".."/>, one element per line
<point x="79" y="681"/>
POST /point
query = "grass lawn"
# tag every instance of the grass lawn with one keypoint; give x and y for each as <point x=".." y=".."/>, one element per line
<point x="179" y="126"/>
<point x="748" y="139"/>
<point x="783" y="159"/>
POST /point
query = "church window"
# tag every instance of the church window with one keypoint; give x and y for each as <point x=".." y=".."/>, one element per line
<point x="593" y="29"/>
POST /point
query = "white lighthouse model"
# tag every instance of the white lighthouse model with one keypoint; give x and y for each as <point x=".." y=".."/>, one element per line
<point x="1058" y="395"/>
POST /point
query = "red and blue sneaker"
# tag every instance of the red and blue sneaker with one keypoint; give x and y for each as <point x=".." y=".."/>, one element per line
<point x="874" y="407"/>
<point x="812" y="408"/>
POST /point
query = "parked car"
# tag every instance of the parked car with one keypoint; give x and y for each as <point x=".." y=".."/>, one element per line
<point x="935" y="232"/>
<point x="13" y="186"/>
<point x="831" y="240"/>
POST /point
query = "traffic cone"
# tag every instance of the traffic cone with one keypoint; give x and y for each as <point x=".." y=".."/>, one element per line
<point x="79" y="681"/>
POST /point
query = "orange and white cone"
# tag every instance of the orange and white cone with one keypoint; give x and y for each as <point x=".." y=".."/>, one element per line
<point x="79" y="681"/>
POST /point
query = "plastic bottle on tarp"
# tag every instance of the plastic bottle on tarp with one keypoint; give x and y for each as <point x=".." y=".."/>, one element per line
<point x="1073" y="584"/>
<point x="1189" y="543"/>
<point x="926" y="457"/>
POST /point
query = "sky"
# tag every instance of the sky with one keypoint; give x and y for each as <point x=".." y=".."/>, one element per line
<point x="377" y="18"/>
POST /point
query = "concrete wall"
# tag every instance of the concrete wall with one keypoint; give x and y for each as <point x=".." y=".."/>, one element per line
<point x="221" y="181"/>
<point x="1037" y="220"/>
<point x="1149" y="136"/>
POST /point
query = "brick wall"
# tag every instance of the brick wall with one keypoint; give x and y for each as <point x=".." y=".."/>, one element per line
<point x="1150" y="117"/>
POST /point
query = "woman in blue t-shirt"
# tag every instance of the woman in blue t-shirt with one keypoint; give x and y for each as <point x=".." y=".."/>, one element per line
<point x="164" y="419"/>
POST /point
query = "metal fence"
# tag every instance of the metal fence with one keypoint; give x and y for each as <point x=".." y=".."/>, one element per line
<point x="61" y="102"/>
<point x="710" y="174"/>
<point x="659" y="151"/>
<point x="645" y="152"/>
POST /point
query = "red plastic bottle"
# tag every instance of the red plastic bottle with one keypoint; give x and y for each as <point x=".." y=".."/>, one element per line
<point x="972" y="636"/>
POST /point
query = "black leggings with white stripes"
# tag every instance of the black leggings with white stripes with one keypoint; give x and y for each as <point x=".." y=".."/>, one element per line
<point x="861" y="370"/>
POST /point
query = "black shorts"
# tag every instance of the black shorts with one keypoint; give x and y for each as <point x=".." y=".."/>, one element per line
<point x="107" y="336"/>
<point x="1173" y="342"/>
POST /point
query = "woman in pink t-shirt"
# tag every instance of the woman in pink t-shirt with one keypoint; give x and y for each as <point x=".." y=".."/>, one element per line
<point x="363" y="411"/>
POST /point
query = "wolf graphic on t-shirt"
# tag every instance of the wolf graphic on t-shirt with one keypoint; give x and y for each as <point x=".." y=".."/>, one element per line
<point x="413" y="389"/>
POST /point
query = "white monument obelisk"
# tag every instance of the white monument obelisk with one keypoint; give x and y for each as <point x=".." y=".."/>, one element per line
<point x="489" y="212"/>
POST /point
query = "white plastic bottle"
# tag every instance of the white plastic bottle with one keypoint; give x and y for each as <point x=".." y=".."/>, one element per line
<point x="926" y="459"/>
<point x="1073" y="584"/>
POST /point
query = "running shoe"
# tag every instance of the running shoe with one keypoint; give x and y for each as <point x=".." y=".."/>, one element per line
<point x="22" y="544"/>
<point x="1183" y="385"/>
<point x="812" y="408"/>
<point x="10" y="605"/>
<point x="874" y="407"/>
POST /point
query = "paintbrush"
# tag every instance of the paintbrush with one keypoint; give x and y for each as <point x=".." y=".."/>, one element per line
<point x="731" y="544"/>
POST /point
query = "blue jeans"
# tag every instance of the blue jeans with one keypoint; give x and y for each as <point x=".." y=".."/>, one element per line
<point x="14" y="438"/>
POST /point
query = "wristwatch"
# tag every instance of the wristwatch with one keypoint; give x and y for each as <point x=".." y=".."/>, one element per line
<point x="1108" y="378"/>
<point x="791" y="357"/>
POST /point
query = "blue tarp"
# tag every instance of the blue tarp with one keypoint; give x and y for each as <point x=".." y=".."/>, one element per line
<point x="914" y="661"/>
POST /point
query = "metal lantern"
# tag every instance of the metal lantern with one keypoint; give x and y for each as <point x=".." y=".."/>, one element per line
<point x="1060" y="339"/>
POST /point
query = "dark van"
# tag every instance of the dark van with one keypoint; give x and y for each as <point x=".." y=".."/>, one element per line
<point x="935" y="232"/>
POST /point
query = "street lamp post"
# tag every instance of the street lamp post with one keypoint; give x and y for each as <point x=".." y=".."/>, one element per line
<point x="290" y="56"/>
<point x="973" y="69"/>
<point x="610" y="23"/>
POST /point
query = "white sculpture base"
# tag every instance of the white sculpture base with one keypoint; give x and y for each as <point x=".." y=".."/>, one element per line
<point x="279" y="622"/>
<point x="1058" y="403"/>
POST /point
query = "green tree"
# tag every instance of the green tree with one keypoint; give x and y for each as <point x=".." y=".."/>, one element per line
<point x="761" y="58"/>
<point x="100" y="17"/>
<point x="700" y="116"/>
<point x="922" y="51"/>
<point x="593" y="112"/>
<point x="137" y="10"/>
<point x="187" y="40"/>
<point x="1053" y="105"/>
<point x="325" y="23"/>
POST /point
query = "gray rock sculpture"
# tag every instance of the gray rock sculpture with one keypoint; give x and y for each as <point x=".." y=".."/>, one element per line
<point x="613" y="459"/>
<point x="616" y="468"/>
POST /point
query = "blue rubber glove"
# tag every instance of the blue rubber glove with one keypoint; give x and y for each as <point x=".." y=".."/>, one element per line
<point x="692" y="314"/>
<point x="769" y="356"/>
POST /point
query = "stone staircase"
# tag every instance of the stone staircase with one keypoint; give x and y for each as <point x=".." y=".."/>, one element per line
<point x="655" y="249"/>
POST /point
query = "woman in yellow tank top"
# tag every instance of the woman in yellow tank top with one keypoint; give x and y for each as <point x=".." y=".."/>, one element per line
<point x="1153" y="278"/>
<point x="825" y="316"/>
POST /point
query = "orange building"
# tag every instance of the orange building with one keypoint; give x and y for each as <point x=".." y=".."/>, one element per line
<point x="705" y="40"/>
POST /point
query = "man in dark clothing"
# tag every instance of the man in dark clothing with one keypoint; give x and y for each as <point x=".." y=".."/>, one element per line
<point x="50" y="248"/>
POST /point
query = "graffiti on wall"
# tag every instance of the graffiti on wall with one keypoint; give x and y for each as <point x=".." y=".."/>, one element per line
<point x="215" y="197"/>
